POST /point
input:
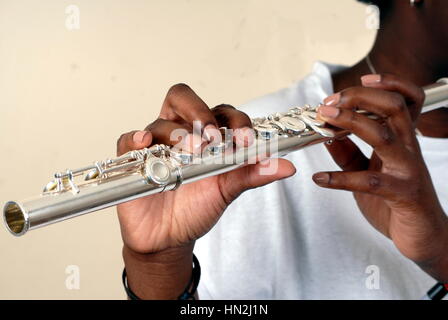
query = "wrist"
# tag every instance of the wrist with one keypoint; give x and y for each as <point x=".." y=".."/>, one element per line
<point x="437" y="266"/>
<point x="162" y="275"/>
<point x="165" y="256"/>
<point x="443" y="266"/>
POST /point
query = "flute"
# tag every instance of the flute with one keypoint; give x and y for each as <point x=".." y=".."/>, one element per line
<point x="162" y="168"/>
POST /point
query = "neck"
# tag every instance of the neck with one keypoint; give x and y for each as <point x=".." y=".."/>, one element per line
<point x="397" y="51"/>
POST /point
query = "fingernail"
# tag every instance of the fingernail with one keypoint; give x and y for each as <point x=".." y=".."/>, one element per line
<point x="333" y="99"/>
<point x="329" y="112"/>
<point x="244" y="136"/>
<point x="139" y="136"/>
<point x="371" y="79"/>
<point x="210" y="131"/>
<point x="321" y="178"/>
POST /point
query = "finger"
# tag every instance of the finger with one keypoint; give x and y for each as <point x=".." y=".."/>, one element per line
<point x="168" y="132"/>
<point x="133" y="140"/>
<point x="178" y="135"/>
<point x="379" y="136"/>
<point x="370" y="182"/>
<point x="380" y="102"/>
<point x="388" y="105"/>
<point x="347" y="155"/>
<point x="413" y="94"/>
<point x="182" y="104"/>
<point x="228" y="116"/>
<point x="238" y="121"/>
<point x="252" y="176"/>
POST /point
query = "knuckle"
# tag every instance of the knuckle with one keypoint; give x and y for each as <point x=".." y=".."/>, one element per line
<point x="339" y="180"/>
<point x="420" y="96"/>
<point x="385" y="136"/>
<point x="353" y="97"/>
<point x="349" y="91"/>
<point x="245" y="117"/>
<point x="229" y="115"/>
<point x="398" y="103"/>
<point x="352" y="119"/>
<point x="335" y="179"/>
<point x="178" y="88"/>
<point x="373" y="181"/>
<point x="223" y="106"/>
<point x="348" y="94"/>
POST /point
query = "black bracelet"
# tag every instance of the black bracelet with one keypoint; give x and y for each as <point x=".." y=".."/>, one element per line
<point x="189" y="291"/>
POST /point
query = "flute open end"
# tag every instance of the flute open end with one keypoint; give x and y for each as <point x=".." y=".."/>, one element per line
<point x="15" y="218"/>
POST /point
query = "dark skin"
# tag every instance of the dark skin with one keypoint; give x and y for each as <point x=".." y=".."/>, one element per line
<point x="159" y="231"/>
<point x="396" y="48"/>
<point x="392" y="187"/>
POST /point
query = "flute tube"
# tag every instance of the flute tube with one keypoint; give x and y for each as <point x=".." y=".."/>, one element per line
<point x="158" y="176"/>
<point x="21" y="217"/>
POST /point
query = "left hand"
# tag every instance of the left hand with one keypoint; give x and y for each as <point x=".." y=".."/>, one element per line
<point x="393" y="187"/>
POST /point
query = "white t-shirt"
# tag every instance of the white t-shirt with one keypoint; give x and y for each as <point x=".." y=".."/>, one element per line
<point x="294" y="240"/>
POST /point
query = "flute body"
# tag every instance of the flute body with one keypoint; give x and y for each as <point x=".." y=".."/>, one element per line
<point x="161" y="168"/>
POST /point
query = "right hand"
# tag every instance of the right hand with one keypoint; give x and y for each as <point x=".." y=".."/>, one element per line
<point x="177" y="218"/>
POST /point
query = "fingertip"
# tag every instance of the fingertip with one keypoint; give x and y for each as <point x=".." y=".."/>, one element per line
<point x="371" y="79"/>
<point x="288" y="167"/>
<point x="333" y="99"/>
<point x="141" y="138"/>
<point x="321" y="178"/>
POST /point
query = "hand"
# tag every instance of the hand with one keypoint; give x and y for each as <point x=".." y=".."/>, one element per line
<point x="392" y="188"/>
<point x="177" y="218"/>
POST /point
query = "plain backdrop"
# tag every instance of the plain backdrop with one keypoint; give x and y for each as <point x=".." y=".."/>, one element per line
<point x="66" y="95"/>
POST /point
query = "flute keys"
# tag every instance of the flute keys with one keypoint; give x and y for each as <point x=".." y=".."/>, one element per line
<point x="92" y="174"/>
<point x="51" y="186"/>
<point x="216" y="149"/>
<point x="292" y="125"/>
<point x="227" y="137"/>
<point x="182" y="157"/>
<point x="219" y="147"/>
<point x="157" y="171"/>
<point x="266" y="131"/>
<point x="310" y="118"/>
<point x="257" y="121"/>
<point x="279" y="125"/>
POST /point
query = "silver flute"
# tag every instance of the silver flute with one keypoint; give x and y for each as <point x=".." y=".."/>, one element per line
<point x="161" y="168"/>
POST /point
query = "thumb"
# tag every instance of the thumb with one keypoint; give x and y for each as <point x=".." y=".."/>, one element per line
<point x="235" y="182"/>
